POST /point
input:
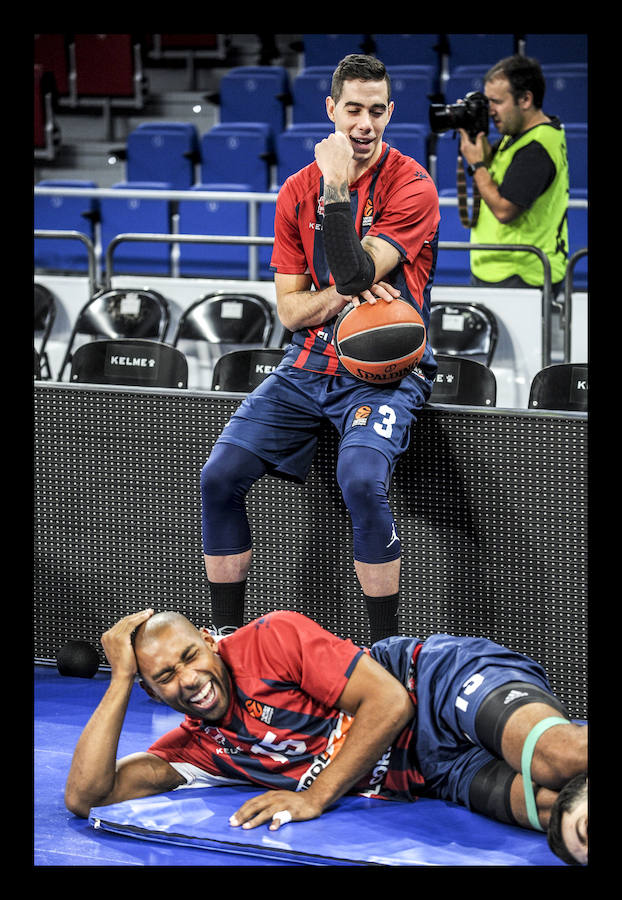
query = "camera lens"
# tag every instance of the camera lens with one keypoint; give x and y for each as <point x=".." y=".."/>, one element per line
<point x="441" y="118"/>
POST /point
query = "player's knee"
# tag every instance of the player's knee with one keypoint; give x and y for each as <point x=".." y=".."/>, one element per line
<point x="362" y="475"/>
<point x="563" y="755"/>
<point x="228" y="475"/>
<point x="490" y="791"/>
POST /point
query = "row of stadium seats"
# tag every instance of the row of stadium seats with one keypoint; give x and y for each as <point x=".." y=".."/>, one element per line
<point x="459" y="381"/>
<point x="230" y="321"/>
<point x="100" y="65"/>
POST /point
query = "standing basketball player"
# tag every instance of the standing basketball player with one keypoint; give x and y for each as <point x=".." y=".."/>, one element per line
<point x="358" y="223"/>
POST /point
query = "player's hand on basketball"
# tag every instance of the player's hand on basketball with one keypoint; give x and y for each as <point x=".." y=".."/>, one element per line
<point x="117" y="643"/>
<point x="380" y="291"/>
<point x="276" y="808"/>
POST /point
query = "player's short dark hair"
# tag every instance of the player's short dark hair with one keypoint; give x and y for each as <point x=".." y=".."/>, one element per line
<point x="358" y="67"/>
<point x="523" y="73"/>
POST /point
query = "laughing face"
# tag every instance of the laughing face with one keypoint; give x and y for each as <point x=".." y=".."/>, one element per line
<point x="362" y="113"/>
<point x="180" y="666"/>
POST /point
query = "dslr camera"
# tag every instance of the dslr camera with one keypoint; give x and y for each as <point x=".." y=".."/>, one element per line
<point x="470" y="114"/>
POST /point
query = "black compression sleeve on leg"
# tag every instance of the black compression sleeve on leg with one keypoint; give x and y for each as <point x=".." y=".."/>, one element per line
<point x="351" y="266"/>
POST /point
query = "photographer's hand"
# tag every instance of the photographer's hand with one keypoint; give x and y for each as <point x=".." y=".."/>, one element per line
<point x="503" y="210"/>
<point x="474" y="152"/>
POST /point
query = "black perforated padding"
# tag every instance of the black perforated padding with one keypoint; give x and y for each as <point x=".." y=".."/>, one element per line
<point x="490" y="507"/>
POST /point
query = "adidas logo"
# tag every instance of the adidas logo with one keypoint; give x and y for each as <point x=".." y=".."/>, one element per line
<point x="514" y="695"/>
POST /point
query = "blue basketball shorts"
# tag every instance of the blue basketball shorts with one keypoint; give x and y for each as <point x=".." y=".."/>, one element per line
<point x="280" y="420"/>
<point x="453" y="676"/>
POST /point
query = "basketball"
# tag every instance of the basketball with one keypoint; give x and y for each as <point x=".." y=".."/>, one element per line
<point x="379" y="342"/>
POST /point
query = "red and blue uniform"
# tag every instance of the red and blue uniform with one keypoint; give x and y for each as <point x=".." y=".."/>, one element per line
<point x="395" y="200"/>
<point x="282" y="726"/>
<point x="278" y="423"/>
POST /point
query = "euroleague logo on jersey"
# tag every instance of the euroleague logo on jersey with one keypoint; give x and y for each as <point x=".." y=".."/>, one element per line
<point x="368" y="212"/>
<point x="260" y="711"/>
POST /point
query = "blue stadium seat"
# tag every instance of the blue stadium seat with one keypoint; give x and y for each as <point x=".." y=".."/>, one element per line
<point x="578" y="237"/>
<point x="57" y="213"/>
<point x="566" y="92"/>
<point x="407" y="49"/>
<point x="557" y="48"/>
<point x="452" y="266"/>
<point x="446" y="150"/>
<point x="409" y="140"/>
<point x="467" y="49"/>
<point x="310" y="88"/>
<point x="237" y="152"/>
<point x="137" y="215"/>
<point x="411" y="87"/>
<point x="163" y="151"/>
<point x="266" y="229"/>
<point x="577" y="144"/>
<point x="255" y="94"/>
<point x="295" y="147"/>
<point x="329" y="49"/>
<point x="214" y="217"/>
<point x="464" y="79"/>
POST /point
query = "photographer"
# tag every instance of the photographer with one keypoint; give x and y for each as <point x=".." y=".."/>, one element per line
<point x="522" y="180"/>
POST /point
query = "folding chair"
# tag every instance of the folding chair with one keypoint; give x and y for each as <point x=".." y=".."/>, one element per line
<point x="243" y="370"/>
<point x="142" y="363"/>
<point x="221" y="322"/>
<point x="561" y="387"/>
<point x="120" y="313"/>
<point x="463" y="329"/>
<point x="463" y="382"/>
<point x="223" y="318"/>
<point x="45" y="313"/>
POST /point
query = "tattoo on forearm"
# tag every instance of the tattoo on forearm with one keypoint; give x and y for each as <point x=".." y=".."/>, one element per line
<point x="336" y="193"/>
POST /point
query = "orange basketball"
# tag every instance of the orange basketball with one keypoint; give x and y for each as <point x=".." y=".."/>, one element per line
<point x="379" y="342"/>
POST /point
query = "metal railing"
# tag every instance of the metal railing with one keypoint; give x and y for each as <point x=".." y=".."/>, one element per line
<point x="253" y="240"/>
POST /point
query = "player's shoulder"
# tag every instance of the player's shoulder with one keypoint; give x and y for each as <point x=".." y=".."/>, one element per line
<point x="302" y="183"/>
<point x="398" y="164"/>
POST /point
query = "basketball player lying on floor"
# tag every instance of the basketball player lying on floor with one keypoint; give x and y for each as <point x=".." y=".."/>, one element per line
<point x="284" y="704"/>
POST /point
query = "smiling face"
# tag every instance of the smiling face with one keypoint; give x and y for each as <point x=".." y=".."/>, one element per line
<point x="180" y="666"/>
<point x="362" y="113"/>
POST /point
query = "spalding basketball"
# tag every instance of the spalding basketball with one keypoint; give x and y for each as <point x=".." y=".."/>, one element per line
<point x="379" y="342"/>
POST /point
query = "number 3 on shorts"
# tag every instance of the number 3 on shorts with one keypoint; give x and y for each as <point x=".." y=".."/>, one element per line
<point x="385" y="428"/>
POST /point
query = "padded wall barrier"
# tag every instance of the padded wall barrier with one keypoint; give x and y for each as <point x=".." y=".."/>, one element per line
<point x="491" y="506"/>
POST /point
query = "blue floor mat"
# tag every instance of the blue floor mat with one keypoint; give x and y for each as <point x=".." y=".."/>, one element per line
<point x="356" y="832"/>
<point x="190" y="827"/>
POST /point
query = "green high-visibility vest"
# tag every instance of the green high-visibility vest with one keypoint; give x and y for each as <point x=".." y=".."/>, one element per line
<point x="543" y="225"/>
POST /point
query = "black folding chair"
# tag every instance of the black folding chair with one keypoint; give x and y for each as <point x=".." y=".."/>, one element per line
<point x="45" y="313"/>
<point x="243" y="370"/>
<point x="118" y="314"/>
<point x="562" y="387"/>
<point x="463" y="329"/>
<point x="463" y="382"/>
<point x="221" y="322"/>
<point x="144" y="363"/>
<point x="227" y="318"/>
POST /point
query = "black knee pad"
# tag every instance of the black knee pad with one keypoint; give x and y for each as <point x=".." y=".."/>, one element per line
<point x="499" y="706"/>
<point x="489" y="793"/>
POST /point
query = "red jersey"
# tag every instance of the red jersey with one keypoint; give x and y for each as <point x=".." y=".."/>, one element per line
<point x="282" y="727"/>
<point x="395" y="200"/>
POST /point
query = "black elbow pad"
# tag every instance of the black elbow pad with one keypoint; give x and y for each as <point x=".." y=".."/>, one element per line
<point x="351" y="266"/>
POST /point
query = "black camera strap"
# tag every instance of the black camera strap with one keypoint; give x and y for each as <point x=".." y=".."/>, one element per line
<point x="462" y="196"/>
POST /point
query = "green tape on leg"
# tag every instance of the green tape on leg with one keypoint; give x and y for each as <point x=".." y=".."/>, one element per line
<point x="528" y="748"/>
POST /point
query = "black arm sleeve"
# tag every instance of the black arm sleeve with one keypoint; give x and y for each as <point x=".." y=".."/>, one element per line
<point x="350" y="265"/>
